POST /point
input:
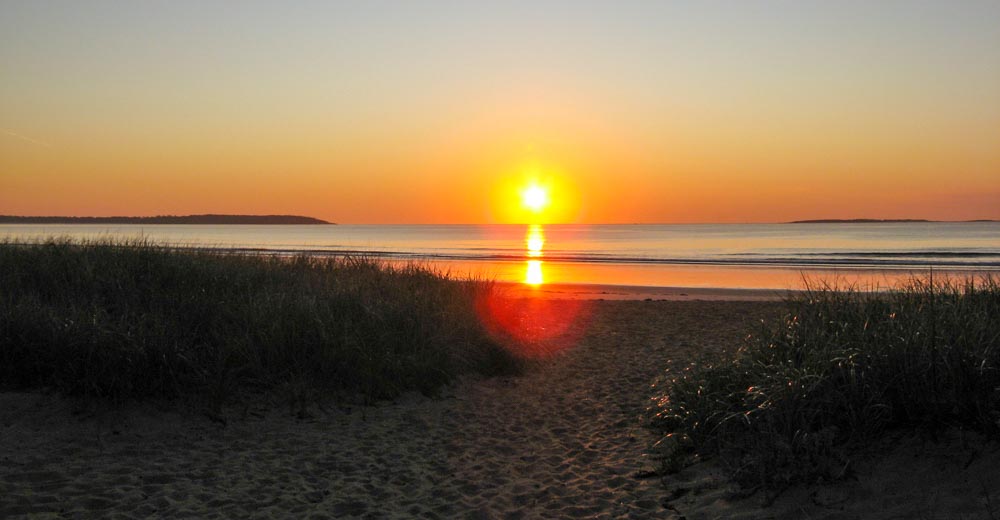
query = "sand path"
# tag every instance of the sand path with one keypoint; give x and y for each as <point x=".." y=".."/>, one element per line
<point x="564" y="440"/>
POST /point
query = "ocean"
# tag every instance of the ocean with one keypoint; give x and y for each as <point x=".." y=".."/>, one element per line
<point x="774" y="256"/>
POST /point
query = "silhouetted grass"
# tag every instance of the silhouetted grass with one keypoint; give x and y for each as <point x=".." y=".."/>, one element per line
<point x="838" y="369"/>
<point x="132" y="320"/>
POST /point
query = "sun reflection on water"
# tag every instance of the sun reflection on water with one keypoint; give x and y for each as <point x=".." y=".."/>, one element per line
<point x="532" y="324"/>
<point x="534" y="242"/>
<point x="533" y="273"/>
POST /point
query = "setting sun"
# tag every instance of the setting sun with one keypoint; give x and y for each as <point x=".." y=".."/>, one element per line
<point x="535" y="198"/>
<point x="534" y="191"/>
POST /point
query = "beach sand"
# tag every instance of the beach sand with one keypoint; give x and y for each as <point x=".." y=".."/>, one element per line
<point x="565" y="291"/>
<point x="564" y="440"/>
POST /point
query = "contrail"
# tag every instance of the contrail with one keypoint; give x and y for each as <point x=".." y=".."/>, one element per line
<point x="25" y="138"/>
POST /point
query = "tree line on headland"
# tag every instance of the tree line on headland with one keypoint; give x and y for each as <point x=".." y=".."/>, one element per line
<point x="167" y="219"/>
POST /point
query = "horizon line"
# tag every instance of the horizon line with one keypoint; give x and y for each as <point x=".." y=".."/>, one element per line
<point x="860" y="220"/>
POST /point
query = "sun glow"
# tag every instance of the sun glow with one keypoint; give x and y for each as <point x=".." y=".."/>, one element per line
<point x="534" y="193"/>
<point x="535" y="198"/>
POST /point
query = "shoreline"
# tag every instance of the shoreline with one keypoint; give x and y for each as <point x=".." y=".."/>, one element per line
<point x="582" y="291"/>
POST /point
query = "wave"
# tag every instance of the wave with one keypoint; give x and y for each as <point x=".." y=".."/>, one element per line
<point x="960" y="259"/>
<point x="879" y="260"/>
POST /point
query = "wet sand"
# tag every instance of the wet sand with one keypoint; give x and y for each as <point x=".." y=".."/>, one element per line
<point x="564" y="440"/>
<point x="566" y="291"/>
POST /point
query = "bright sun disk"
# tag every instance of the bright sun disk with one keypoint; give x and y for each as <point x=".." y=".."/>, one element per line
<point x="535" y="198"/>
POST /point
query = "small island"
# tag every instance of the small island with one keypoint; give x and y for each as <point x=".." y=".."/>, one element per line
<point x="879" y="221"/>
<point x="169" y="219"/>
<point x="859" y="221"/>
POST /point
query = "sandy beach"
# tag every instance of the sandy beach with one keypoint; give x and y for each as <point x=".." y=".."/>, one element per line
<point x="568" y="291"/>
<point x="565" y="440"/>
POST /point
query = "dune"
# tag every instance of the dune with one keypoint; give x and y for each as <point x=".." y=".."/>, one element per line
<point x="566" y="439"/>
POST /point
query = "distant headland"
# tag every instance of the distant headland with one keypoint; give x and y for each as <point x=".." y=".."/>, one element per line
<point x="168" y="219"/>
<point x="877" y="221"/>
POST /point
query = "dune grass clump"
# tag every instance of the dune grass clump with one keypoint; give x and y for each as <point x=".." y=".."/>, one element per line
<point x="839" y="369"/>
<point x="130" y="319"/>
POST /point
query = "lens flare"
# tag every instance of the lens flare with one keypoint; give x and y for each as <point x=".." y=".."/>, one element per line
<point x="534" y="326"/>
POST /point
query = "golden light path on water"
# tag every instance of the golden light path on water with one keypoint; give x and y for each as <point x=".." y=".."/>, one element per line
<point x="534" y="327"/>
<point x="535" y="272"/>
<point x="534" y="242"/>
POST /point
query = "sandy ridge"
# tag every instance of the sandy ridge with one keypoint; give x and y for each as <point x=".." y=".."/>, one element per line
<point x="565" y="440"/>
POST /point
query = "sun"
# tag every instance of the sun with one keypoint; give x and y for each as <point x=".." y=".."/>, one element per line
<point x="534" y="195"/>
<point x="535" y="198"/>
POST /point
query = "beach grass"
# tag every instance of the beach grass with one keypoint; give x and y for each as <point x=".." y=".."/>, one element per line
<point x="129" y="319"/>
<point x="838" y="370"/>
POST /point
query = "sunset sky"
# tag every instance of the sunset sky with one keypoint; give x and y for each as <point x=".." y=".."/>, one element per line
<point x="442" y="112"/>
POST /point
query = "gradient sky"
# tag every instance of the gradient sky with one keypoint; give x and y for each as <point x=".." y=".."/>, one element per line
<point x="437" y="112"/>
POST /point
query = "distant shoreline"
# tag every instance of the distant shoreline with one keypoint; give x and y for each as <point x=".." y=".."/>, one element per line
<point x="300" y="220"/>
<point x="170" y="219"/>
<point x="883" y="221"/>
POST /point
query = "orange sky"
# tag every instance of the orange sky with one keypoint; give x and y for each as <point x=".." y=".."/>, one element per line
<point x="406" y="115"/>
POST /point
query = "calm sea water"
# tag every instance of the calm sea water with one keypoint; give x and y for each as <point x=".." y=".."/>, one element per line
<point x="704" y="255"/>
